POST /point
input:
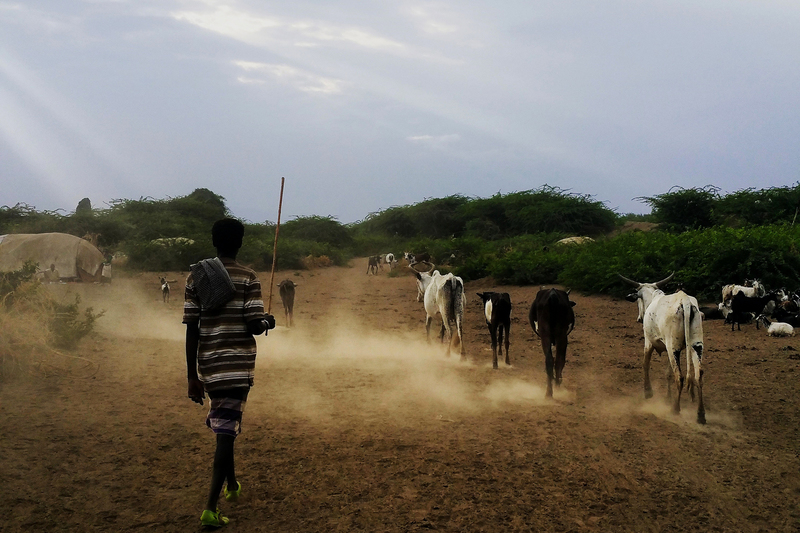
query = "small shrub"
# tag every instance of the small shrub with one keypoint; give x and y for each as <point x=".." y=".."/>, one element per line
<point x="11" y="281"/>
<point x="67" y="326"/>
<point x="311" y="262"/>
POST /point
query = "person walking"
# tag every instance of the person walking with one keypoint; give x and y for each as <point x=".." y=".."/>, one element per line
<point x="223" y="310"/>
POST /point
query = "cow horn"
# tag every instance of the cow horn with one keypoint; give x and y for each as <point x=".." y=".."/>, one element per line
<point x="663" y="281"/>
<point x="623" y="278"/>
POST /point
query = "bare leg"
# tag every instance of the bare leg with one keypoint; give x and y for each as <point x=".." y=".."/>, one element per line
<point x="223" y="469"/>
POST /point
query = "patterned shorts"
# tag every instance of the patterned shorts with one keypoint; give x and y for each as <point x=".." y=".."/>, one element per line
<point x="225" y="416"/>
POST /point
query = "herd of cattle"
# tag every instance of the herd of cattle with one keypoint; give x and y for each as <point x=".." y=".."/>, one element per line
<point x="672" y="323"/>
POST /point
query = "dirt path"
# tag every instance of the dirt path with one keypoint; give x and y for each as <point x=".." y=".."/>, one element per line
<point x="355" y="423"/>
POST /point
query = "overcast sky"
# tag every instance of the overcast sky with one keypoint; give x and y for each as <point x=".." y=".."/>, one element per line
<point x="363" y="105"/>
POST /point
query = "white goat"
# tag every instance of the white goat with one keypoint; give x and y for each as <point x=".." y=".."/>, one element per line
<point x="776" y="329"/>
<point x="755" y="290"/>
<point x="780" y="329"/>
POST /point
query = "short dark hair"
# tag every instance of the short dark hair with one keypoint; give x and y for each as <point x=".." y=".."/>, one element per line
<point x="227" y="234"/>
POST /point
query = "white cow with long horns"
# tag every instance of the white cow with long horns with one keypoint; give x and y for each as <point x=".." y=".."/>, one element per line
<point x="671" y="324"/>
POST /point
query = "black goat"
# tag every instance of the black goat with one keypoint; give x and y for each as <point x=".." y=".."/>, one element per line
<point x="497" y="311"/>
<point x="782" y="315"/>
<point x="742" y="306"/>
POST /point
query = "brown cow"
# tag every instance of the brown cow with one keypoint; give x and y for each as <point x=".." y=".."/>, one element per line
<point x="286" y="290"/>
<point x="372" y="264"/>
<point x="553" y="319"/>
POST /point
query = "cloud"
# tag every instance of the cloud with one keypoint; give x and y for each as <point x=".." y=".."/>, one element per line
<point x="433" y="19"/>
<point x="435" y="142"/>
<point x="258" y="29"/>
<point x="228" y="21"/>
<point x="289" y="75"/>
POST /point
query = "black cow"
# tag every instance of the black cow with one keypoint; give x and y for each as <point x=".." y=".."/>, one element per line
<point x="497" y="310"/>
<point x="286" y="290"/>
<point x="553" y="319"/>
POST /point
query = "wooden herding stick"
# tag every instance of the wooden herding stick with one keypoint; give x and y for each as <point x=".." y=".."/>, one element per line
<point x="275" y="251"/>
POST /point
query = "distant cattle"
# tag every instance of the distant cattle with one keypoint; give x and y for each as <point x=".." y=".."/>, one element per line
<point x="286" y="290"/>
<point x="553" y="319"/>
<point x="497" y="311"/>
<point x="422" y="257"/>
<point x="372" y="264"/>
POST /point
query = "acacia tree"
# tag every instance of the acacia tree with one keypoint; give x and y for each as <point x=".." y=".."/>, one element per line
<point x="682" y="209"/>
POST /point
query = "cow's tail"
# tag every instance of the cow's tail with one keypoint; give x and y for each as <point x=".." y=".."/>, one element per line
<point x="693" y="334"/>
<point x="457" y="313"/>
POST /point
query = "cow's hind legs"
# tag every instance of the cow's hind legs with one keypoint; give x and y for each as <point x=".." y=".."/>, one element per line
<point x="561" y="359"/>
<point x="548" y="365"/>
<point x="648" y="353"/>
<point x="675" y="363"/>
<point x="697" y="359"/>
<point x="507" y="329"/>
<point x="493" y="332"/>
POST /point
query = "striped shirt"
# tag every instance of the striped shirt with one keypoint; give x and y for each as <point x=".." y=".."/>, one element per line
<point x="226" y="354"/>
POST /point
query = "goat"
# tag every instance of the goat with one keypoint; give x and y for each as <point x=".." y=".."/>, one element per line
<point x="776" y="329"/>
<point x="752" y="288"/>
<point x="390" y="260"/>
<point x="286" y="290"/>
<point x="372" y="264"/>
<point x="782" y="315"/>
<point x="552" y="319"/>
<point x="165" y="288"/>
<point x="497" y="310"/>
<point x="671" y="323"/>
<point x="742" y="306"/>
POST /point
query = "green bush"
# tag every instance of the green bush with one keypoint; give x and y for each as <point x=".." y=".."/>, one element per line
<point x="10" y="281"/>
<point x="684" y="209"/>
<point x="703" y="260"/>
<point x="68" y="327"/>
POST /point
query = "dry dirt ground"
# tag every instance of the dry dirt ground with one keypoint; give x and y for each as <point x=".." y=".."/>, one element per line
<point x="356" y="424"/>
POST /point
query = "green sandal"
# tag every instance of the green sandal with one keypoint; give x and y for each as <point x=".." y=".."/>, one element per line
<point x="213" y="519"/>
<point x="233" y="495"/>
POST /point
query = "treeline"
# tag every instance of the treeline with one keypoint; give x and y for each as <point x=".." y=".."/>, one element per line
<point x="707" y="238"/>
